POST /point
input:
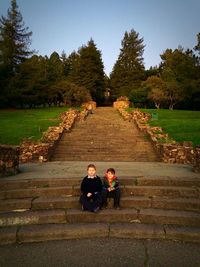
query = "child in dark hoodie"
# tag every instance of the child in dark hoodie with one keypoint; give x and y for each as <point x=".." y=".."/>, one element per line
<point x="91" y="188"/>
<point x="111" y="188"/>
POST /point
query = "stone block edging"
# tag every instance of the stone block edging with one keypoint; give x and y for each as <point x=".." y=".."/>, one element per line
<point x="43" y="149"/>
<point x="9" y="160"/>
<point x="169" y="150"/>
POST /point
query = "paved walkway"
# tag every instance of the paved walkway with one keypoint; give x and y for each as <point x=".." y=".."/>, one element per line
<point x="105" y="136"/>
<point x="71" y="169"/>
<point x="101" y="252"/>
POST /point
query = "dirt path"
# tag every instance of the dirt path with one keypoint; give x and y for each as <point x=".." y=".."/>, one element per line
<point x="105" y="136"/>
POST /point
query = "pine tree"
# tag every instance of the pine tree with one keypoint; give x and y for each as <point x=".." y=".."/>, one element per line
<point x="14" y="39"/>
<point x="88" y="71"/>
<point x="128" y="71"/>
<point x="55" y="68"/>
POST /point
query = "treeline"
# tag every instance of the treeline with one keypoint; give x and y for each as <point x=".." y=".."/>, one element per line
<point x="174" y="83"/>
<point x="29" y="80"/>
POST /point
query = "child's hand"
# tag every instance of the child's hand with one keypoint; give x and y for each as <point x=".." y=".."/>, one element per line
<point x="111" y="189"/>
<point x="89" y="194"/>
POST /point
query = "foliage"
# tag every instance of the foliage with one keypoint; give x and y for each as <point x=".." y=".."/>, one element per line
<point x="128" y="71"/>
<point x="87" y="70"/>
<point x="156" y="90"/>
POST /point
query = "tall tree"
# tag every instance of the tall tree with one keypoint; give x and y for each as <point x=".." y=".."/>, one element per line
<point x="14" y="38"/>
<point x="14" y="48"/>
<point x="128" y="71"/>
<point x="88" y="71"/>
<point x="55" y="68"/>
<point x="197" y="47"/>
<point x="179" y="72"/>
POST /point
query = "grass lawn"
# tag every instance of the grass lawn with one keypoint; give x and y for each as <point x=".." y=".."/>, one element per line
<point x="16" y="124"/>
<point x="181" y="125"/>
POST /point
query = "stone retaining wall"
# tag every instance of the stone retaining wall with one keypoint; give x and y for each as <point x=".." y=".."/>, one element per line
<point x="9" y="160"/>
<point x="90" y="104"/>
<point x="169" y="150"/>
<point x="43" y="150"/>
<point x="121" y="104"/>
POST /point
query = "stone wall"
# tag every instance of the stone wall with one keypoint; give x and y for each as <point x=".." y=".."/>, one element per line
<point x="9" y="160"/>
<point x="90" y="104"/>
<point x="197" y="159"/>
<point x="121" y="104"/>
<point x="42" y="150"/>
<point x="169" y="150"/>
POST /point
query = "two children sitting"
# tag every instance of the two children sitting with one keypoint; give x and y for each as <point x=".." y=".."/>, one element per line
<point x="95" y="193"/>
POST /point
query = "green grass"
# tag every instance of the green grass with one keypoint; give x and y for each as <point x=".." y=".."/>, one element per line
<point x="16" y="124"/>
<point x="181" y="125"/>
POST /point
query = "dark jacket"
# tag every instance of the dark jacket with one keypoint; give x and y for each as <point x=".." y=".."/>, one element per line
<point x="90" y="185"/>
<point x="106" y="185"/>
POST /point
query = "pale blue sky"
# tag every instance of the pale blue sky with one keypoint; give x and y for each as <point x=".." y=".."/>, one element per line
<point x="67" y="24"/>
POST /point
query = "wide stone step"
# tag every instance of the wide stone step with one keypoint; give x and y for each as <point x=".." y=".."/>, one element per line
<point x="15" y="204"/>
<point x="36" y="192"/>
<point x="32" y="217"/>
<point x="153" y="191"/>
<point x="9" y="184"/>
<point x="104" y="158"/>
<point x="127" y="190"/>
<point x="155" y="216"/>
<point x="39" y="182"/>
<point x="64" y="202"/>
<point x="47" y="232"/>
<point x="148" y="216"/>
<point x="126" y="202"/>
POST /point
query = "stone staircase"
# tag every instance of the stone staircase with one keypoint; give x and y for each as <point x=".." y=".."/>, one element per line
<point x="104" y="136"/>
<point x="33" y="210"/>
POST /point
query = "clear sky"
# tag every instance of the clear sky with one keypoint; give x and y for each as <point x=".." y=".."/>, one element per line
<point x="67" y="24"/>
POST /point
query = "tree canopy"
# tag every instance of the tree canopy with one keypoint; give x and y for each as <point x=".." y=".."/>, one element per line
<point x="128" y="71"/>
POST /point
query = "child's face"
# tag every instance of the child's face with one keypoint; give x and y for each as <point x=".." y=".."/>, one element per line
<point x="91" y="171"/>
<point x="110" y="175"/>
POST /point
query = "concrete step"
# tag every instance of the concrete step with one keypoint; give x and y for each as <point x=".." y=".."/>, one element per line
<point x="127" y="190"/>
<point x="46" y="232"/>
<point x="167" y="191"/>
<point x="148" y="216"/>
<point x="11" y="184"/>
<point x="155" y="216"/>
<point x="36" y="192"/>
<point x="64" y="202"/>
<point x="15" y="204"/>
<point x="32" y="217"/>
<point x="126" y="202"/>
<point x="104" y="158"/>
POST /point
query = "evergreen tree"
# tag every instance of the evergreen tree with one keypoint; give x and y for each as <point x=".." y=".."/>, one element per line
<point x="88" y="71"/>
<point x="14" y="48"/>
<point x="14" y="39"/>
<point x="55" y="68"/>
<point x="128" y="71"/>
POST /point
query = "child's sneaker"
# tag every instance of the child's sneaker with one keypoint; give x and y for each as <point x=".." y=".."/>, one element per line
<point x="83" y="209"/>
<point x="96" y="209"/>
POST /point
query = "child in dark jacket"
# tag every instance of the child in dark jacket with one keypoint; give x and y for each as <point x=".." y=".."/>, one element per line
<point x="111" y="188"/>
<point x="91" y="188"/>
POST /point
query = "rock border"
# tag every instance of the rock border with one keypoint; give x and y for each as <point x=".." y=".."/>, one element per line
<point x="42" y="150"/>
<point x="169" y="150"/>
